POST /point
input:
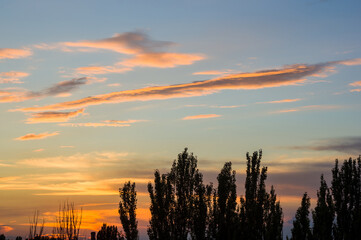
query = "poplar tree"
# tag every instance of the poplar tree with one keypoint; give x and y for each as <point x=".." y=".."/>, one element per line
<point x="127" y="210"/>
<point x="346" y="191"/>
<point x="260" y="212"/>
<point x="225" y="219"/>
<point x="324" y="213"/>
<point x="301" y="225"/>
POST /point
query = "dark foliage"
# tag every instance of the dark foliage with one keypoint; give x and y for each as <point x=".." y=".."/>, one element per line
<point x="108" y="233"/>
<point x="127" y="210"/>
<point x="346" y="191"/>
<point x="323" y="214"/>
<point x="301" y="225"/>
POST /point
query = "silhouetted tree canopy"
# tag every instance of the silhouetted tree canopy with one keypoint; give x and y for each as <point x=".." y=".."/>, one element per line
<point x="301" y="225"/>
<point x="324" y="213"/>
<point x="346" y="191"/>
<point x="108" y="233"/>
<point x="127" y="210"/>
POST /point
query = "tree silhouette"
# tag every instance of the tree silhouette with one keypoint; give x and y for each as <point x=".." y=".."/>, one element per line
<point x="225" y="203"/>
<point x="301" y="225"/>
<point x="2" y="237"/>
<point x="260" y="212"/>
<point x="68" y="222"/>
<point x="108" y="233"/>
<point x="162" y="200"/>
<point x="346" y="191"/>
<point x="18" y="238"/>
<point x="324" y="213"/>
<point x="179" y="201"/>
<point x="127" y="210"/>
<point x="35" y="231"/>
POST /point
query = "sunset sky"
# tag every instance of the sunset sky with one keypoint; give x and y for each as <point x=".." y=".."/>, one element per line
<point x="96" y="93"/>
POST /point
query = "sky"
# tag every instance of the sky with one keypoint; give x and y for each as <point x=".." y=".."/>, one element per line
<point x="94" y="93"/>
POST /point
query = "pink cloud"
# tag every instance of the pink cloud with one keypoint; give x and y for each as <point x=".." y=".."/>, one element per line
<point x="33" y="136"/>
<point x="46" y="117"/>
<point x="284" y="101"/>
<point x="93" y="70"/>
<point x="162" y="60"/>
<point x="13" y="53"/>
<point x="212" y="72"/>
<point x="201" y="116"/>
<point x="12" y="77"/>
<point x="106" y="123"/>
<point x="351" y="62"/>
<point x="289" y="75"/>
<point x="309" y="108"/>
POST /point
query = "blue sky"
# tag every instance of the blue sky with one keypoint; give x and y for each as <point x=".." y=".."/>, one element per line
<point x="169" y="75"/>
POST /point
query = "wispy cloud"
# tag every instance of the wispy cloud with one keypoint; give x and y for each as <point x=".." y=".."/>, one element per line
<point x="66" y="146"/>
<point x="356" y="84"/>
<point x="33" y="136"/>
<point x="75" y="161"/>
<point x="289" y="75"/>
<point x="13" y="53"/>
<point x="202" y="116"/>
<point x="162" y="60"/>
<point x="212" y="72"/>
<point x="283" y="101"/>
<point x="146" y="52"/>
<point x="94" y="70"/>
<point x="59" y="89"/>
<point x="309" y="108"/>
<point x="351" y="62"/>
<point x="5" y="228"/>
<point x="39" y="150"/>
<point x="46" y="117"/>
<point x="106" y="123"/>
<point x="349" y="145"/>
<point x="12" y="77"/>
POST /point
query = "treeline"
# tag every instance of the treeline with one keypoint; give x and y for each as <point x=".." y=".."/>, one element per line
<point x="183" y="207"/>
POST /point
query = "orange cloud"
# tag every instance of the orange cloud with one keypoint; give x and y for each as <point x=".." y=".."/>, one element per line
<point x="201" y="116"/>
<point x="162" y="60"/>
<point x="284" y="101"/>
<point x="356" y="84"/>
<point x="93" y="70"/>
<point x="90" y="124"/>
<point x="33" y="136"/>
<point x="46" y="117"/>
<point x="125" y="43"/>
<point x="351" y="62"/>
<point x="13" y="95"/>
<point x="106" y="123"/>
<point x="290" y="75"/>
<point x="39" y="150"/>
<point x="212" y="72"/>
<point x="309" y="108"/>
<point x="13" y="53"/>
<point x="58" y="89"/>
<point x="12" y="77"/>
<point x="5" y="228"/>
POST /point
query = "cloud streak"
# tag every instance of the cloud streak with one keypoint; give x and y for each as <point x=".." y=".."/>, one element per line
<point x="47" y="117"/>
<point x="12" y="77"/>
<point x="349" y="145"/>
<point x="106" y="123"/>
<point x="13" y="53"/>
<point x="94" y="70"/>
<point x="309" y="108"/>
<point x="356" y="84"/>
<point x="283" y="101"/>
<point x="202" y="116"/>
<point x="59" y="89"/>
<point x="286" y="76"/>
<point x="33" y="136"/>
